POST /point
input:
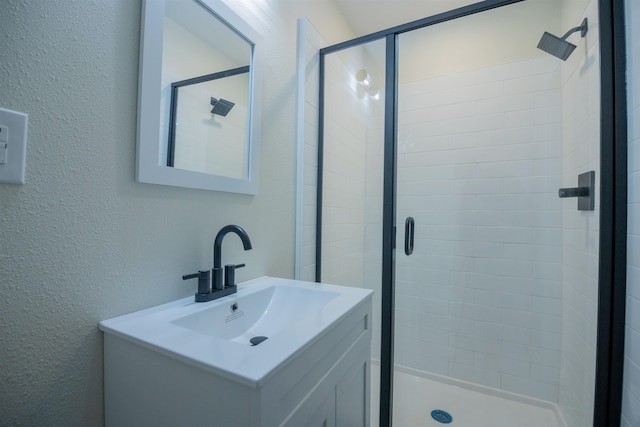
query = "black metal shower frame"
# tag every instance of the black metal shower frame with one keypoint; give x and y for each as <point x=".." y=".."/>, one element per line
<point x="613" y="200"/>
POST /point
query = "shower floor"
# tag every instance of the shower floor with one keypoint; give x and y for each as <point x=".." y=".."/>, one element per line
<point x="416" y="394"/>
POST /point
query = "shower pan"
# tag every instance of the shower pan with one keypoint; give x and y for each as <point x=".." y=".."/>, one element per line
<point x="441" y="194"/>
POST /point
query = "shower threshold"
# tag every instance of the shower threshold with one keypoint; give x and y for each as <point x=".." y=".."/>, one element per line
<point x="417" y="394"/>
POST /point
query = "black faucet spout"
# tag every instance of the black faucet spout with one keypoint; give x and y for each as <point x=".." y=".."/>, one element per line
<point x="217" y="244"/>
<point x="218" y="280"/>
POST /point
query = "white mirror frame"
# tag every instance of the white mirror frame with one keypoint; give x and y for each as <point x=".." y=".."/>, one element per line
<point x="149" y="169"/>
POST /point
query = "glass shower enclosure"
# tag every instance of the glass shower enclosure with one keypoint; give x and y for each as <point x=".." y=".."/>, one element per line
<point x="442" y="147"/>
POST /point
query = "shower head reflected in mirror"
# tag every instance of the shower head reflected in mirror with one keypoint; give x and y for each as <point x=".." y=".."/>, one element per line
<point x="559" y="46"/>
<point x="221" y="106"/>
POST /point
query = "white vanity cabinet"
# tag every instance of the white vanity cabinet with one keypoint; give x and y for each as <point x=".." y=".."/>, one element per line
<point x="341" y="396"/>
<point x="324" y="382"/>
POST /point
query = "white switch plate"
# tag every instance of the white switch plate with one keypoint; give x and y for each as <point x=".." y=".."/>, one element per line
<point x="3" y="153"/>
<point x="12" y="172"/>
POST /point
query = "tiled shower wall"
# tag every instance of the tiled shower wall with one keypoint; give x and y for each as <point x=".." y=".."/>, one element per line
<point x="355" y="124"/>
<point x="343" y="172"/>
<point x="344" y="163"/>
<point x="309" y="43"/>
<point x="373" y="214"/>
<point x="479" y="168"/>
<point x="482" y="297"/>
<point x="580" y="229"/>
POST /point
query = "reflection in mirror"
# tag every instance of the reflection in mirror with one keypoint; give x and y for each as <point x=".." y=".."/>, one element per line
<point x="198" y="88"/>
<point x="204" y="59"/>
<point x="200" y="142"/>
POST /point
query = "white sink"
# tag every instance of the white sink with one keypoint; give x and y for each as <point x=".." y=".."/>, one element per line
<point x="215" y="335"/>
<point x="265" y="312"/>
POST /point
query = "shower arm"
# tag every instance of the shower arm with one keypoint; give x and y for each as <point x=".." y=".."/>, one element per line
<point x="583" y="28"/>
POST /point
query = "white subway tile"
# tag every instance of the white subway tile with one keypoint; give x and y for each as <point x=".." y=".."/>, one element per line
<point x="524" y="319"/>
<point x="502" y="364"/>
<point x="488" y="250"/>
<point x="531" y="354"/>
<point x="504" y="267"/>
<point x="632" y="376"/>
<point x="512" y="300"/>
<point x="503" y="136"/>
<point x="547" y="270"/>
<point x="540" y="390"/>
<point x="544" y="305"/>
<point x="633" y="281"/>
<point x="505" y="169"/>
<point x="549" y="132"/>
<point x="476" y="217"/>
<point x="482" y="234"/>
<point x="505" y="234"/>
<point x="545" y="339"/>
<point x="503" y="332"/>
<point x="475" y="374"/>
<point x="540" y="287"/>
<point x="537" y="82"/>
<point x="547" y="98"/>
<point x="509" y="103"/>
<point x="632" y="343"/>
<point x="474" y="312"/>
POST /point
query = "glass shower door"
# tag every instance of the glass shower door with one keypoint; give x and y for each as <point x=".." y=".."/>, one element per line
<point x="496" y="276"/>
<point x="351" y="166"/>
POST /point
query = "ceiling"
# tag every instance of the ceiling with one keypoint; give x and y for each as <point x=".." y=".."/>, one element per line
<point x="369" y="16"/>
<point x="499" y="36"/>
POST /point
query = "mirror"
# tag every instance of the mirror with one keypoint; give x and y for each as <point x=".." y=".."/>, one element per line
<point x="198" y="104"/>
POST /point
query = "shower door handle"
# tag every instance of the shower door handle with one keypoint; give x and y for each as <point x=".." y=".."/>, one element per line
<point x="409" y="227"/>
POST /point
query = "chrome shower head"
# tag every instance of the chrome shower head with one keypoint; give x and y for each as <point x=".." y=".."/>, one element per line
<point x="559" y="46"/>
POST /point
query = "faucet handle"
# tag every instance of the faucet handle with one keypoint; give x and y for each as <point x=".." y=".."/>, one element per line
<point x="204" y="280"/>
<point x="230" y="274"/>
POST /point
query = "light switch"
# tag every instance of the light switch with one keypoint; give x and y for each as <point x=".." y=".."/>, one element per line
<point x="4" y="137"/>
<point x="13" y="146"/>
<point x="3" y="153"/>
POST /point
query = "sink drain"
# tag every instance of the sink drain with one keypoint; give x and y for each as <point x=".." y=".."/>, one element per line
<point x="441" y="416"/>
<point x="257" y="340"/>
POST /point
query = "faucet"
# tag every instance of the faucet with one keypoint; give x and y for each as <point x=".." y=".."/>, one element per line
<point x="229" y="270"/>
<point x="223" y="281"/>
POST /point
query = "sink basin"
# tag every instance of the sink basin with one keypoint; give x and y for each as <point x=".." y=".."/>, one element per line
<point x="265" y="312"/>
<point x="216" y="335"/>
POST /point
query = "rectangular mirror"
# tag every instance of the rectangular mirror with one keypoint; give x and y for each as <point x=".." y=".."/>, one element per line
<point x="198" y="105"/>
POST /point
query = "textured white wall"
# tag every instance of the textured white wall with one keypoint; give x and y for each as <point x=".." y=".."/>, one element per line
<point x="81" y="241"/>
<point x="631" y="395"/>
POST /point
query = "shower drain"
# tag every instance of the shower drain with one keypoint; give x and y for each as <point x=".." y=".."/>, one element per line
<point x="441" y="416"/>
